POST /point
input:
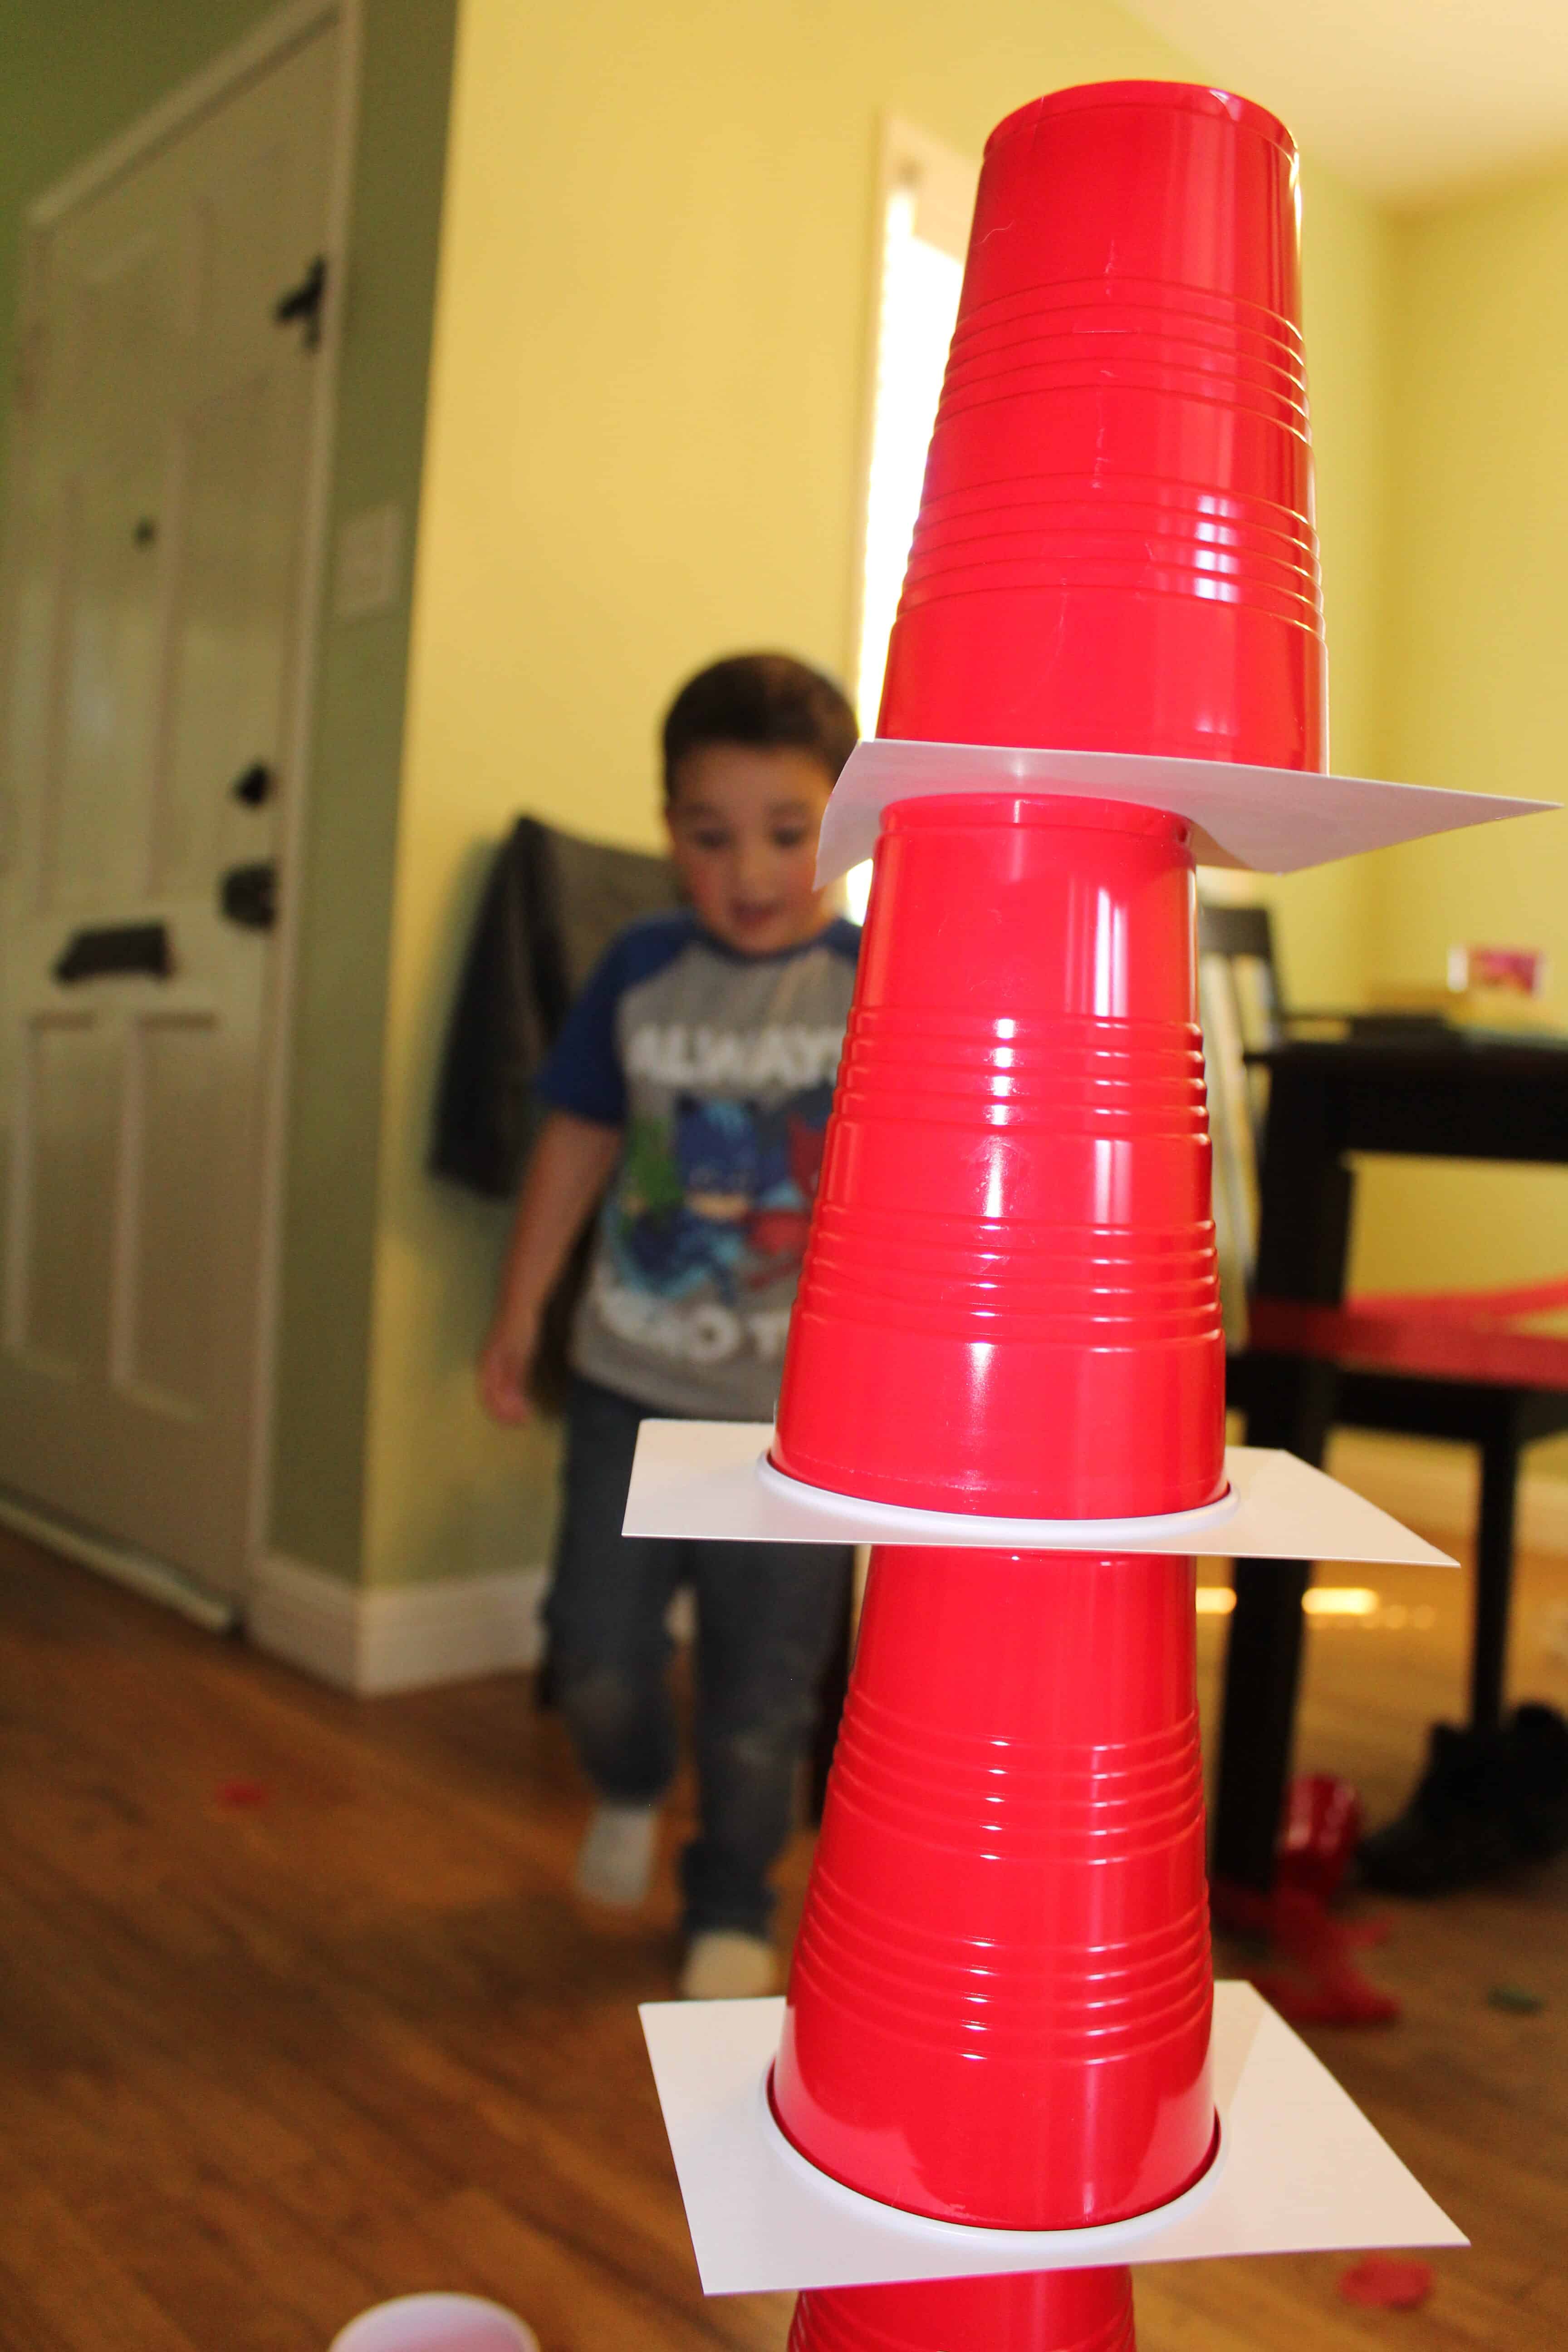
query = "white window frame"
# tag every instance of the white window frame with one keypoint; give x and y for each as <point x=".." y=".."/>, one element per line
<point x="942" y="183"/>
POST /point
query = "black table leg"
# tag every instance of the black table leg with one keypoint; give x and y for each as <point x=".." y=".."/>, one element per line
<point x="1494" y="1571"/>
<point x="1302" y="1245"/>
<point x="1262" y="1664"/>
<point x="1290" y="1403"/>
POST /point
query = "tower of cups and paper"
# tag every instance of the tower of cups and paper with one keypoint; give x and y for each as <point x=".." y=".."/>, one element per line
<point x="1002" y="2073"/>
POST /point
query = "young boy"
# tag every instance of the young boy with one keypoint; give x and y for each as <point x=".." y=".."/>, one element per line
<point x="689" y="1090"/>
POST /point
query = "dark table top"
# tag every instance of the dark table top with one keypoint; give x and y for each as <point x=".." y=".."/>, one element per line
<point x="1419" y="1041"/>
<point x="1420" y="1087"/>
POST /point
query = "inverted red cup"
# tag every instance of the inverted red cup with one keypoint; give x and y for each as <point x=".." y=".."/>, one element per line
<point x="1047" y="2311"/>
<point x="1116" y="548"/>
<point x="1009" y="1301"/>
<point x="1000" y="1999"/>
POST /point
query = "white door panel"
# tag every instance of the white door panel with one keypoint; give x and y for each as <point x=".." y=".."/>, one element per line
<point x="62" y="1195"/>
<point x="153" y="587"/>
<point x="93" y="785"/>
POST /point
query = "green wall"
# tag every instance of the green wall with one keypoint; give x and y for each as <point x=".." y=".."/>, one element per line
<point x="72" y="74"/>
<point x="353" y="807"/>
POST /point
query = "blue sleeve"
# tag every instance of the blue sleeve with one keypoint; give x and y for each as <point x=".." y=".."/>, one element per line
<point x="582" y="1072"/>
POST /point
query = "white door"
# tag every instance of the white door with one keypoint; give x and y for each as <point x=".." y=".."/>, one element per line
<point x="154" y="578"/>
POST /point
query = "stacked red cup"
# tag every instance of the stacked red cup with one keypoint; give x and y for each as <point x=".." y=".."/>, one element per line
<point x="1116" y="548"/>
<point x="999" y="2005"/>
<point x="1010" y="1297"/>
<point x="1071" y="2311"/>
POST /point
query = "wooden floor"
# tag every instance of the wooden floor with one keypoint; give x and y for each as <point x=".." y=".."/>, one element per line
<point x="297" y="2013"/>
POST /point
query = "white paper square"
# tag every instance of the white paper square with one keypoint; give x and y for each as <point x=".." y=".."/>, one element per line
<point x="703" y="1480"/>
<point x="1304" y="2169"/>
<point x="1264" y="820"/>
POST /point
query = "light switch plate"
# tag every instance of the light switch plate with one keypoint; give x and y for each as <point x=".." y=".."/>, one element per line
<point x="368" y="575"/>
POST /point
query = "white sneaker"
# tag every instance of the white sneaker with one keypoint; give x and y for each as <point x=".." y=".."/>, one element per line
<point x="722" y="1965"/>
<point x="614" y="1860"/>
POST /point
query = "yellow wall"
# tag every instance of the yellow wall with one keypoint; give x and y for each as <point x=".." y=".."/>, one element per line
<point x="1321" y="925"/>
<point x="644" y="450"/>
<point x="1478" y="677"/>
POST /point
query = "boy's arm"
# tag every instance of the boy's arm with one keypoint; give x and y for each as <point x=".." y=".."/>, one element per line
<point x="567" y="1172"/>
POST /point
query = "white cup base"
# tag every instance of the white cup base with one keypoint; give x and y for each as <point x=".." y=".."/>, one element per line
<point x="435" y="2323"/>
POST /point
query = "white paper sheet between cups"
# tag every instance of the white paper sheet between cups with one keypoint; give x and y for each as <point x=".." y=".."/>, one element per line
<point x="1303" y="2170"/>
<point x="709" y="1481"/>
<point x="1263" y="820"/>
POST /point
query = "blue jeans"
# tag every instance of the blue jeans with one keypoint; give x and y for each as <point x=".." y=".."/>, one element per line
<point x="766" y="1616"/>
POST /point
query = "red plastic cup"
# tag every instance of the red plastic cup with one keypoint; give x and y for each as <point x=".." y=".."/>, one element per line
<point x="1009" y="1302"/>
<point x="1047" y="2311"/>
<point x="1116" y="548"/>
<point x="999" y="2002"/>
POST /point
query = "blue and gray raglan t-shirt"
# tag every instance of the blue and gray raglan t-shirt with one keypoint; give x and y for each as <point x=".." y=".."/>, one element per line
<point x="718" y="1068"/>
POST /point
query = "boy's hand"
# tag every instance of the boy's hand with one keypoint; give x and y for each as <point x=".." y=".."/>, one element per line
<point x="565" y="1178"/>
<point x="505" y="1361"/>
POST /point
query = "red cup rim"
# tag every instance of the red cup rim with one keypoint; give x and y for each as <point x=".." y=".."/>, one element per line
<point x="1194" y="2193"/>
<point x="1068" y="811"/>
<point x="1174" y="96"/>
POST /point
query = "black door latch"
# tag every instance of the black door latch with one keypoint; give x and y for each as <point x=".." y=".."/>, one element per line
<point x="248" y="895"/>
<point x="253" y="784"/>
<point x="116" y="951"/>
<point x="303" y="302"/>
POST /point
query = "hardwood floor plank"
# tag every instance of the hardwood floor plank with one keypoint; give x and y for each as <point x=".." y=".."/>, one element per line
<point x="85" y="2294"/>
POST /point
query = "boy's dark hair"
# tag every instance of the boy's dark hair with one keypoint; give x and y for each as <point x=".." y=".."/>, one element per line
<point x="769" y="701"/>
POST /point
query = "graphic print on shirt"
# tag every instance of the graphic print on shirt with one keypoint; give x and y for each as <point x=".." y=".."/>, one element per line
<point x="712" y="1208"/>
<point x="718" y="1070"/>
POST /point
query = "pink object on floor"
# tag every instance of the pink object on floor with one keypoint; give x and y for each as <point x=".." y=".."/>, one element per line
<point x="1387" y="2285"/>
<point x="240" y="1795"/>
<point x="1321" y="1983"/>
<point x="1322" y="1825"/>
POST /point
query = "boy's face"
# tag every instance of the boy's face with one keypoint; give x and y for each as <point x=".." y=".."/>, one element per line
<point x="743" y="832"/>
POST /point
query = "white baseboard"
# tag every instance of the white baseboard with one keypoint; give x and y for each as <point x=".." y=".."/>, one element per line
<point x="1436" y="1488"/>
<point x="372" y="1642"/>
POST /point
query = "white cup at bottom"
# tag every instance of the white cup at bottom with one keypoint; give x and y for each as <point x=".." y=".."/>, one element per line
<point x="435" y="2323"/>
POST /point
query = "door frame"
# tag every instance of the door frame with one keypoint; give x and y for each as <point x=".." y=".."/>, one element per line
<point x="269" y="41"/>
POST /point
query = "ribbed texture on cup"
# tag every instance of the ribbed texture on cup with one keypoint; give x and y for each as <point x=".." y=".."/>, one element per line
<point x="1076" y="533"/>
<point x="999" y="2003"/>
<point x="1116" y="548"/>
<point x="1009" y="1301"/>
<point x="1065" y="1094"/>
<point x="1050" y="2311"/>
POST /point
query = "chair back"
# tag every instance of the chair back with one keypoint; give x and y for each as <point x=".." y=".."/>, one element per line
<point x="1238" y="1004"/>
